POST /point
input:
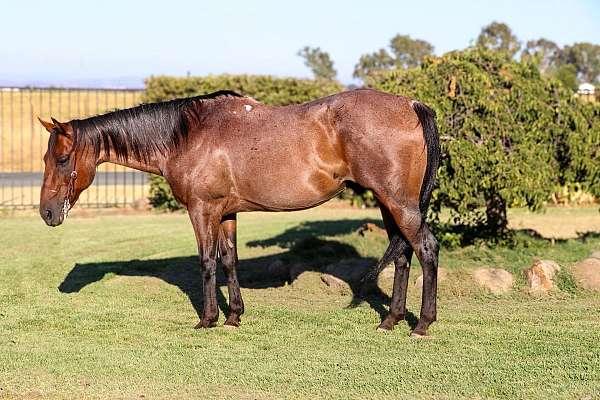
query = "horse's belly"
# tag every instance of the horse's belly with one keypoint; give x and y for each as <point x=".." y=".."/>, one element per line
<point x="291" y="191"/>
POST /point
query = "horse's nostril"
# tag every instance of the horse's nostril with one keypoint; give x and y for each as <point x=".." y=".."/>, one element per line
<point x="48" y="215"/>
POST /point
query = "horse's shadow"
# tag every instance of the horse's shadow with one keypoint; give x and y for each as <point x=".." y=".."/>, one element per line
<point x="306" y="250"/>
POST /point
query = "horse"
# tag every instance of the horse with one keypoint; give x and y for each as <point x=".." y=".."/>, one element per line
<point x="225" y="153"/>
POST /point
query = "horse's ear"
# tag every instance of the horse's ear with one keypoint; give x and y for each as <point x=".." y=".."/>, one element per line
<point x="48" y="125"/>
<point x="61" y="128"/>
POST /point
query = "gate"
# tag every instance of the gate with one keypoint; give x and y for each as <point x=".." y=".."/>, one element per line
<point x="23" y="142"/>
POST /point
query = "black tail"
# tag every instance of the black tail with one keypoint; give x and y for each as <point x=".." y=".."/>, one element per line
<point x="397" y="245"/>
<point x="432" y="140"/>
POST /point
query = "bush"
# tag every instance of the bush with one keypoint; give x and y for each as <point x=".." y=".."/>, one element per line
<point x="509" y="135"/>
<point x="267" y="89"/>
<point x="264" y="88"/>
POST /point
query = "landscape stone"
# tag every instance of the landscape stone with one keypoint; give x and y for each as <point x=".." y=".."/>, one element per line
<point x="587" y="274"/>
<point x="442" y="276"/>
<point x="336" y="284"/>
<point x="350" y="270"/>
<point x="279" y="270"/>
<point x="540" y="276"/>
<point x="496" y="280"/>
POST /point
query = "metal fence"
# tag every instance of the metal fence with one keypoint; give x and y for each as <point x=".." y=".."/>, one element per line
<point x="23" y="142"/>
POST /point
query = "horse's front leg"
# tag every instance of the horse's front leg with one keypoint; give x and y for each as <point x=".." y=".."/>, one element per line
<point x="229" y="258"/>
<point x="206" y="220"/>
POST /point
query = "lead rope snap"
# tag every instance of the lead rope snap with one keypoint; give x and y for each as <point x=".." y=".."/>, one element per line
<point x="67" y="203"/>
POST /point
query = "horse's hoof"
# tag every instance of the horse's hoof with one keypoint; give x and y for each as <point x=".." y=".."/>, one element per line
<point x="380" y="329"/>
<point x="416" y="335"/>
<point x="232" y="327"/>
<point x="205" y="325"/>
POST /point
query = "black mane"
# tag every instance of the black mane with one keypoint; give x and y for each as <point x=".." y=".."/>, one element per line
<point x="141" y="131"/>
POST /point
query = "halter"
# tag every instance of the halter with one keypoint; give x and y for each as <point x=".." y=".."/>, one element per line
<point x="70" y="191"/>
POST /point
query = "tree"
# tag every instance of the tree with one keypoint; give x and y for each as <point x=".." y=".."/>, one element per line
<point x="409" y="52"/>
<point x="406" y="53"/>
<point x="497" y="36"/>
<point x="370" y="63"/>
<point x="545" y="52"/>
<point x="319" y="62"/>
<point x="567" y="75"/>
<point x="586" y="59"/>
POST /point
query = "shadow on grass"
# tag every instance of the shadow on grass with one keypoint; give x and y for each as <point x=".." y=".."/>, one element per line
<point x="306" y="252"/>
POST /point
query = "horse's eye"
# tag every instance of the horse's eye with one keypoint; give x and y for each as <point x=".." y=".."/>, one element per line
<point x="63" y="160"/>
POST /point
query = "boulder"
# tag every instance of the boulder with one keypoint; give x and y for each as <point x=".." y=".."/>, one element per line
<point x="587" y="274"/>
<point x="336" y="285"/>
<point x="279" y="270"/>
<point x="496" y="280"/>
<point x="295" y="270"/>
<point x="350" y="270"/>
<point x="442" y="276"/>
<point x="540" y="276"/>
<point x="308" y="281"/>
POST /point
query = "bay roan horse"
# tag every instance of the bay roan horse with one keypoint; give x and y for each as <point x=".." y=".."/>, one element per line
<point x="224" y="153"/>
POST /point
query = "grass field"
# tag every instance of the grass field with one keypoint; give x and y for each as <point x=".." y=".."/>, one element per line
<point x="22" y="138"/>
<point x="103" y="307"/>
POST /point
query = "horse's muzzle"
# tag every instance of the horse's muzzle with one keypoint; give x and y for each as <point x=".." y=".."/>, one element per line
<point x="52" y="216"/>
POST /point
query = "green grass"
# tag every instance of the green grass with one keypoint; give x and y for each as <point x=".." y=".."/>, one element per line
<point x="125" y="330"/>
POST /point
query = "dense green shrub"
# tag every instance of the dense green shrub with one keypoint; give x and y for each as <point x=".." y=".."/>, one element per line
<point x="266" y="89"/>
<point x="508" y="134"/>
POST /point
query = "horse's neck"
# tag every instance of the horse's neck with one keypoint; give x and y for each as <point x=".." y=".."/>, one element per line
<point x="154" y="165"/>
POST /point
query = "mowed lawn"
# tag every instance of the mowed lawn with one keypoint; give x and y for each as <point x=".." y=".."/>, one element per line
<point x="104" y="307"/>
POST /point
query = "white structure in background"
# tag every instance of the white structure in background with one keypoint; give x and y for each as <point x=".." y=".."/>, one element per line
<point x="586" y="91"/>
<point x="586" y="88"/>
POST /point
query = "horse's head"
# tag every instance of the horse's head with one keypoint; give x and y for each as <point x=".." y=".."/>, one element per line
<point x="70" y="169"/>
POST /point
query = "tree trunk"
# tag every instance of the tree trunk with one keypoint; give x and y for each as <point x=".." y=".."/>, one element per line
<point x="497" y="220"/>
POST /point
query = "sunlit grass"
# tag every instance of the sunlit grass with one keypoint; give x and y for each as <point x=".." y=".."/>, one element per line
<point x="127" y="333"/>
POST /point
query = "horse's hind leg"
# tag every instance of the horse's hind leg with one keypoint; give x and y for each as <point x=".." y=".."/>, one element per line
<point x="412" y="225"/>
<point x="229" y="259"/>
<point x="402" y="270"/>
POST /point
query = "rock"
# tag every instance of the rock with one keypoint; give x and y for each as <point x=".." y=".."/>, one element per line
<point x="350" y="270"/>
<point x="496" y="280"/>
<point x="371" y="227"/>
<point x="336" y="284"/>
<point x="295" y="270"/>
<point x="442" y="276"/>
<point x="587" y="274"/>
<point x="141" y="203"/>
<point x="388" y="272"/>
<point x="595" y="254"/>
<point x="541" y="274"/>
<point x="308" y="281"/>
<point x="279" y="270"/>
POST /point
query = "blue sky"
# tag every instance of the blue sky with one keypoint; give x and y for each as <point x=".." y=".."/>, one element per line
<point x="71" y="42"/>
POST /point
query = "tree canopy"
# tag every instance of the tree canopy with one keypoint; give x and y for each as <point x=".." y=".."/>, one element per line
<point x="498" y="36"/>
<point x="406" y="52"/>
<point x="319" y="62"/>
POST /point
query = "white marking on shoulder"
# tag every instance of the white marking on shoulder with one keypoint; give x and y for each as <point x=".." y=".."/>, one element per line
<point x="248" y="107"/>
